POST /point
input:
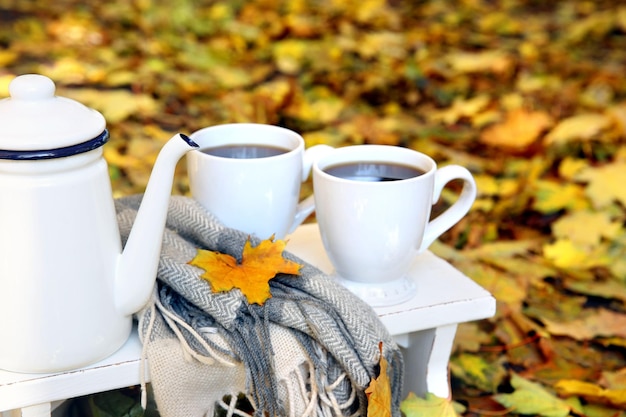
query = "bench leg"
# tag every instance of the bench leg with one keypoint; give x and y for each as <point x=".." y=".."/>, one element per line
<point x="39" y="410"/>
<point x="426" y="360"/>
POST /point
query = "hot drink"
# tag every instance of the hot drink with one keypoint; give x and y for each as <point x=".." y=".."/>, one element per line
<point x="373" y="207"/>
<point x="249" y="176"/>
<point x="373" y="171"/>
<point x="245" y="151"/>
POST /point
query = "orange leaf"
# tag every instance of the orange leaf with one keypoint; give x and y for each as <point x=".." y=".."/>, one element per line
<point x="519" y="130"/>
<point x="258" y="265"/>
<point x="379" y="391"/>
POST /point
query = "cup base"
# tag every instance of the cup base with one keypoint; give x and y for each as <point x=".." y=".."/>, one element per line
<point x="380" y="294"/>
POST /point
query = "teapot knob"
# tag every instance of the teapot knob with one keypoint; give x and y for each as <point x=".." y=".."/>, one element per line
<point x="31" y="87"/>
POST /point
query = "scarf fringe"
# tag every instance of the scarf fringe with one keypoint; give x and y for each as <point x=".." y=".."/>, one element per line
<point x="303" y="386"/>
<point x="173" y="322"/>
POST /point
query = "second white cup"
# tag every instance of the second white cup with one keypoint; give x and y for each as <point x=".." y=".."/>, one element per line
<point x="373" y="207"/>
<point x="249" y="176"/>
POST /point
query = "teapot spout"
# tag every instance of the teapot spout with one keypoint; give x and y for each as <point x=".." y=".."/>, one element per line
<point x="137" y="267"/>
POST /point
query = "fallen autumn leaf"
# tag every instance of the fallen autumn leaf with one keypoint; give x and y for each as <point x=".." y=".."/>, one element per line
<point x="258" y="265"/>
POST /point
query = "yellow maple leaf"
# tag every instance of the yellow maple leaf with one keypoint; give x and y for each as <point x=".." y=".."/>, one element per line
<point x="605" y="183"/>
<point x="379" y="391"/>
<point x="258" y="265"/>
<point x="586" y="227"/>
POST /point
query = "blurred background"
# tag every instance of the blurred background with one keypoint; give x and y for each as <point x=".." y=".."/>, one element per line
<point x="530" y="95"/>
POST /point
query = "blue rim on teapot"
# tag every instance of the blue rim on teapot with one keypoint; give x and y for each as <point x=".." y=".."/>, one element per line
<point x="37" y="124"/>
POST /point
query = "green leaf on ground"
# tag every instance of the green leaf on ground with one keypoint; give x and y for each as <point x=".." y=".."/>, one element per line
<point x="531" y="398"/>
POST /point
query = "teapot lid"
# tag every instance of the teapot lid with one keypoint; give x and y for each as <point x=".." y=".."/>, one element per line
<point x="37" y="124"/>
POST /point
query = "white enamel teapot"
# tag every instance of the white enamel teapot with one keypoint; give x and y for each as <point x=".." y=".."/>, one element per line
<point x="67" y="291"/>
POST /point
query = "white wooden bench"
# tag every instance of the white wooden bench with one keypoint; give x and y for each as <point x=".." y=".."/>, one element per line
<point x="424" y="326"/>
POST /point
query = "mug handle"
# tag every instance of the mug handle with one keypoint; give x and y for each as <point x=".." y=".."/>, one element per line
<point x="454" y="213"/>
<point x="307" y="206"/>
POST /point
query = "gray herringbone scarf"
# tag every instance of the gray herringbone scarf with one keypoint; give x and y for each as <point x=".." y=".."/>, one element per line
<point x="310" y="350"/>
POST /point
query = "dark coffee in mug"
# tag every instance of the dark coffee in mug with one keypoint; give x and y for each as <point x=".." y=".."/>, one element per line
<point x="245" y="151"/>
<point x="374" y="171"/>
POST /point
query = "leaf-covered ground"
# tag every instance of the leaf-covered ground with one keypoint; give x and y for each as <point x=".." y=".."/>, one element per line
<point x="530" y="95"/>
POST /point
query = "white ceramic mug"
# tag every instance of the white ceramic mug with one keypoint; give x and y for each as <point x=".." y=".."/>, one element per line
<point x="373" y="206"/>
<point x="251" y="176"/>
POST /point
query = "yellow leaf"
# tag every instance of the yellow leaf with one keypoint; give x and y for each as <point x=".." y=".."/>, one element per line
<point x="276" y="92"/>
<point x="591" y="392"/>
<point x="379" y="391"/>
<point x="487" y="185"/>
<point x="552" y="196"/>
<point x="318" y="104"/>
<point x="385" y="43"/>
<point x="580" y="127"/>
<point x="569" y="167"/>
<point x="505" y="287"/>
<point x="5" y="80"/>
<point x="461" y="108"/>
<point x="586" y="227"/>
<point x="231" y="77"/>
<point x="477" y="371"/>
<point x="290" y="55"/>
<point x="258" y="265"/>
<point x="609" y="289"/>
<point x="488" y="61"/>
<point x="116" y="105"/>
<point x="531" y="83"/>
<point x="67" y="71"/>
<point x="568" y="255"/>
<point x="429" y="406"/>
<point x="7" y="57"/>
<point x="605" y="183"/>
<point x="601" y="323"/>
<point x="613" y="342"/>
<point x="369" y="10"/>
<point x="520" y="129"/>
<point x="594" y="25"/>
<point x="331" y="137"/>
